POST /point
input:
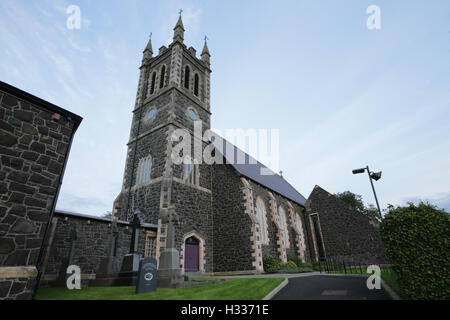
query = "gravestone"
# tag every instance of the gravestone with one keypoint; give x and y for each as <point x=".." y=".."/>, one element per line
<point x="147" y="275"/>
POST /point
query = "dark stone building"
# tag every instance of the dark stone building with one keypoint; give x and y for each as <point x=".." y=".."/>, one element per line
<point x="340" y="232"/>
<point x="230" y="214"/>
<point x="35" y="138"/>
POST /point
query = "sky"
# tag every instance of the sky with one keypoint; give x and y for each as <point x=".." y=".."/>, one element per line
<point x="342" y="95"/>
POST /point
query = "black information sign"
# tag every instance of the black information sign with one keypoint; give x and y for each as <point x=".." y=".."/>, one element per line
<point x="147" y="275"/>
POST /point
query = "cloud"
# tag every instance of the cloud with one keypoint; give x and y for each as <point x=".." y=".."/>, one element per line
<point x="440" y="200"/>
<point x="74" y="203"/>
<point x="77" y="47"/>
<point x="191" y="19"/>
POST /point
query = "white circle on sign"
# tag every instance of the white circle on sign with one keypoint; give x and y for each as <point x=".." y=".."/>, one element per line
<point x="148" y="276"/>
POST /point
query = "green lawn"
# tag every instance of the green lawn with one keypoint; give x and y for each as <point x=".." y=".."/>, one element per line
<point x="232" y="289"/>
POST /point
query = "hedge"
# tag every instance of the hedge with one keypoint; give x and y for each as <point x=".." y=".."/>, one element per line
<point x="417" y="242"/>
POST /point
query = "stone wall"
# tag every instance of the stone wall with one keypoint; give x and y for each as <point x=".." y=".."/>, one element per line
<point x="273" y="247"/>
<point x="237" y="243"/>
<point x="232" y="226"/>
<point x="34" y="141"/>
<point x="347" y="234"/>
<point x="91" y="238"/>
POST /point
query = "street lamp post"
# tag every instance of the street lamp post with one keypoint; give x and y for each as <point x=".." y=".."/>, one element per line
<point x="372" y="175"/>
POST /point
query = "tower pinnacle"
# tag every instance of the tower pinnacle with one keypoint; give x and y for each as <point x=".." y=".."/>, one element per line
<point x="178" y="34"/>
<point x="205" y="53"/>
<point x="148" y="51"/>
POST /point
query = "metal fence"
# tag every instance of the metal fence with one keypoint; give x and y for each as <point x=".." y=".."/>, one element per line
<point x="348" y="266"/>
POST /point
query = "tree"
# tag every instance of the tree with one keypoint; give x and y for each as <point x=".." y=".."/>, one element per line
<point x="354" y="200"/>
<point x="108" y="215"/>
<point x="372" y="212"/>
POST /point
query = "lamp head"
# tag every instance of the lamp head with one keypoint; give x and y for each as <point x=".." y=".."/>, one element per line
<point x="356" y="171"/>
<point x="375" y="175"/>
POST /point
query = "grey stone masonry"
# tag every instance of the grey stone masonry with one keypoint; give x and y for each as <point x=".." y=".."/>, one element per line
<point x="346" y="233"/>
<point x="35" y="137"/>
<point x="173" y="86"/>
<point x="237" y="235"/>
<point x="91" y="238"/>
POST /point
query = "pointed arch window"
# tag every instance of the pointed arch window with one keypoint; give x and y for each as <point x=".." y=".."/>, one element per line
<point x="152" y="83"/>
<point x="144" y="170"/>
<point x="284" y="226"/>
<point x="262" y="220"/>
<point x="187" y="72"/>
<point x="191" y="172"/>
<point x="162" y="76"/>
<point x="196" y="84"/>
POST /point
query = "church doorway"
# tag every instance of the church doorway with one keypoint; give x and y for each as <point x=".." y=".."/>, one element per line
<point x="191" y="256"/>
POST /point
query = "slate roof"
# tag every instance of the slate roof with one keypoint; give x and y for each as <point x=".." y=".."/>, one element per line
<point x="91" y="217"/>
<point x="247" y="166"/>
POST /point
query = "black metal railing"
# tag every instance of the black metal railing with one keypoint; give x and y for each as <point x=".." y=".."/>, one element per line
<point x="337" y="265"/>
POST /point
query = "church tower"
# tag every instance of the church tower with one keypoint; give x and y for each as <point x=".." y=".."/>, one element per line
<point x="173" y="93"/>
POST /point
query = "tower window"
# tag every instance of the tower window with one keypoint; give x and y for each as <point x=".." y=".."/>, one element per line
<point x="191" y="172"/>
<point x="152" y="83"/>
<point x="144" y="170"/>
<point x="196" y="83"/>
<point x="187" y="72"/>
<point x="163" y="73"/>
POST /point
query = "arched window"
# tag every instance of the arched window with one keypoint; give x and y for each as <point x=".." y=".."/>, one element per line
<point x="196" y="84"/>
<point x="144" y="170"/>
<point x="191" y="172"/>
<point x="284" y="226"/>
<point x="187" y="72"/>
<point x="152" y="83"/>
<point x="261" y="218"/>
<point x="161" y="78"/>
<point x="298" y="223"/>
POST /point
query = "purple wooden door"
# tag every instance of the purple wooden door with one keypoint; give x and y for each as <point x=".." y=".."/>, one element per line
<point x="191" y="259"/>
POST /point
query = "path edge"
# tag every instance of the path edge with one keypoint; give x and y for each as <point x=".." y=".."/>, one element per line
<point x="389" y="290"/>
<point x="276" y="290"/>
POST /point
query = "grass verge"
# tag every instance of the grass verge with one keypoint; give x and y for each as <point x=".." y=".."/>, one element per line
<point x="232" y="289"/>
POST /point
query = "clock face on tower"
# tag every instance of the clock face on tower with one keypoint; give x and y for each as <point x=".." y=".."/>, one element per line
<point x="151" y="114"/>
<point x="192" y="114"/>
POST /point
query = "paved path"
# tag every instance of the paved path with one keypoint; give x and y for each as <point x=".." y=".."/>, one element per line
<point x="326" y="287"/>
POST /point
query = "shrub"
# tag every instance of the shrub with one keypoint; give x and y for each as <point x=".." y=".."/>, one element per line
<point x="290" y="265"/>
<point x="294" y="258"/>
<point x="417" y="242"/>
<point x="272" y="264"/>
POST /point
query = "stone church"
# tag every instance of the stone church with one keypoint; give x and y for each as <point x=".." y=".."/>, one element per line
<point x="230" y="215"/>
